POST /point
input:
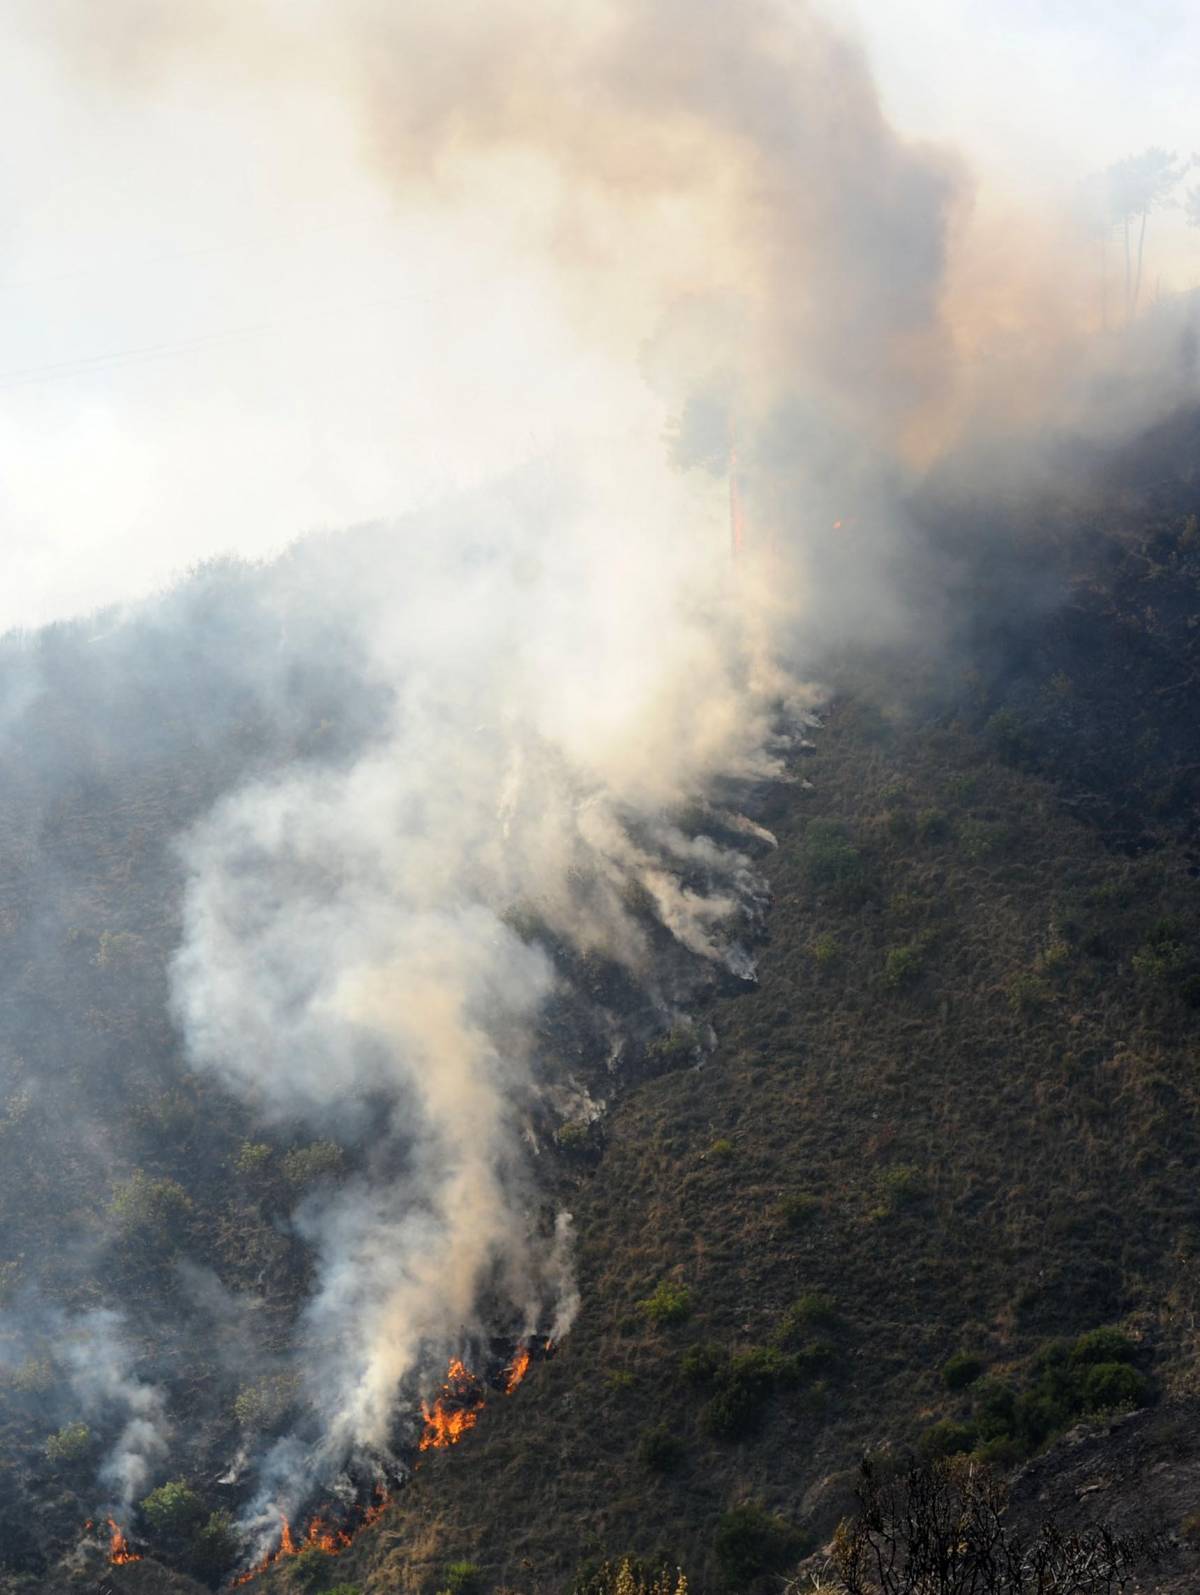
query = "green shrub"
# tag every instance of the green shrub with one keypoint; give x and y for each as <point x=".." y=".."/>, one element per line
<point x="660" y="1450"/>
<point x="750" y="1542"/>
<point x="947" y="1439"/>
<point x="829" y="861"/>
<point x="266" y="1403"/>
<point x="900" y="825"/>
<point x="152" y="1207"/>
<point x="1113" y="1384"/>
<point x="825" y="949"/>
<point x="748" y="1379"/>
<point x="994" y="1409"/>
<point x="721" y="1150"/>
<point x="117" y="949"/>
<point x="1103" y="1345"/>
<point x="462" y="1578"/>
<point x="619" y="1379"/>
<point x="703" y="1363"/>
<point x="961" y="1370"/>
<point x="668" y="1303"/>
<point x="676" y="1049"/>
<point x="796" y="1211"/>
<point x="1038" y="1414"/>
<point x="252" y="1158"/>
<point x="1027" y="992"/>
<point x="308" y="1570"/>
<point x="1006" y="732"/>
<point x="980" y="839"/>
<point x="215" y="1547"/>
<point x="318" y="1160"/>
<point x="734" y="1410"/>
<point x="173" y="1509"/>
<point x="69" y="1444"/>
<point x="814" y="1310"/>
<point x="902" y="965"/>
<point x="1002" y="1452"/>
<point x="1162" y="964"/>
<point x="574" y="1137"/>
<point x="933" y="825"/>
<point x="902" y="1187"/>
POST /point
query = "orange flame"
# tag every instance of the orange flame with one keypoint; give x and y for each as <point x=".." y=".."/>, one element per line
<point x="516" y="1370"/>
<point x="119" y="1551"/>
<point x="319" y="1536"/>
<point x="455" y="1411"/>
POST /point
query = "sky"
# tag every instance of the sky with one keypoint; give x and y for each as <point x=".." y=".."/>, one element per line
<point x="220" y="329"/>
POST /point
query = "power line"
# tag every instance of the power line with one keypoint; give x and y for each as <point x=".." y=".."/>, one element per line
<point x="86" y="365"/>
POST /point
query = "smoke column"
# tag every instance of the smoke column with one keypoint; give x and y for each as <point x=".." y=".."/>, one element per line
<point x="569" y="659"/>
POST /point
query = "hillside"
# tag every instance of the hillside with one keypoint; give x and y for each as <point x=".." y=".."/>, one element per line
<point x="955" y="1118"/>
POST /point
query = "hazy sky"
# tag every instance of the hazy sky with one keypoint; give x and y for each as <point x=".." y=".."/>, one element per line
<point x="219" y="331"/>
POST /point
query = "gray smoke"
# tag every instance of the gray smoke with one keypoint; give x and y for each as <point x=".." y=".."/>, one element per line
<point x="560" y="666"/>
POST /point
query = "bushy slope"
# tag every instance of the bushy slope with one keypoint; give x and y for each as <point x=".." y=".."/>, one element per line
<point x="957" y="1115"/>
<point x="961" y="1106"/>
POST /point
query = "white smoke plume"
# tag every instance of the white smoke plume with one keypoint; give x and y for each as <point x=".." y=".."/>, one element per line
<point x="95" y="1351"/>
<point x="565" y="668"/>
<point x="566" y="661"/>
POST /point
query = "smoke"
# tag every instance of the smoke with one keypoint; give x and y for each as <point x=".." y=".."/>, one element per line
<point x="562" y="666"/>
<point x="368" y="948"/>
<point x="94" y="1350"/>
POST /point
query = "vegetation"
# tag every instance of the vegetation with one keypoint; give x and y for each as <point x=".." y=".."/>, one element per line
<point x="629" y="1577"/>
<point x="751" y="1542"/>
<point x="72" y="1443"/>
<point x="981" y="1163"/>
<point x="669" y="1303"/>
<point x="172" y="1509"/>
<point x="941" y="1529"/>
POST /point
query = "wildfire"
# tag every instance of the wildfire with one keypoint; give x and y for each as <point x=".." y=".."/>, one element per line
<point x="119" y="1551"/>
<point x="319" y="1536"/>
<point x="456" y="1409"/>
<point x="516" y="1370"/>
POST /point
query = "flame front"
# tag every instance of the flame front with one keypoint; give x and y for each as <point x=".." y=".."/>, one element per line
<point x="516" y="1370"/>
<point x="319" y="1536"/>
<point x="119" y="1551"/>
<point x="456" y="1409"/>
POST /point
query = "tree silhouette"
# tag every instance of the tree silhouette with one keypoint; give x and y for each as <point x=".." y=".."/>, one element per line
<point x="940" y="1529"/>
<point x="1133" y="187"/>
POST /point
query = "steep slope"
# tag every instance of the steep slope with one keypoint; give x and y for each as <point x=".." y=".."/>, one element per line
<point x="956" y="1115"/>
